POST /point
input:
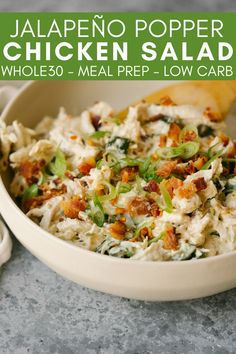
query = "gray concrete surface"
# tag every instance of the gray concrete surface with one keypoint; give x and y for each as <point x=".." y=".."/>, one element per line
<point x="117" y="5"/>
<point x="40" y="312"/>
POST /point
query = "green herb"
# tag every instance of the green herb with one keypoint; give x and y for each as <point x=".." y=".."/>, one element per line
<point x="30" y="192"/>
<point x="204" y="130"/>
<point x="151" y="174"/>
<point x="213" y="158"/>
<point x="58" y="165"/>
<point x="230" y="186"/>
<point x="167" y="119"/>
<point x="97" y="213"/>
<point x="227" y="159"/>
<point x="167" y="198"/>
<point x="99" y="134"/>
<point x="119" y="143"/>
<point x="128" y="253"/>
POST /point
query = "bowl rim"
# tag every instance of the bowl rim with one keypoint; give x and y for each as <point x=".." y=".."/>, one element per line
<point x="78" y="249"/>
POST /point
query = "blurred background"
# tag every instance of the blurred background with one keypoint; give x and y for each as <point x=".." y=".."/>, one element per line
<point x="119" y="5"/>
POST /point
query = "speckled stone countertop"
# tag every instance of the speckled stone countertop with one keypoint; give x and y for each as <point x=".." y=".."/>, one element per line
<point x="40" y="312"/>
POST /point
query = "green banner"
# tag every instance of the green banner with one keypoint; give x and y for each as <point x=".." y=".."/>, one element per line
<point x="117" y="46"/>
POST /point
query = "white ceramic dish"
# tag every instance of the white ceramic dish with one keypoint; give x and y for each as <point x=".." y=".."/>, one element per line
<point x="5" y="244"/>
<point x="133" y="279"/>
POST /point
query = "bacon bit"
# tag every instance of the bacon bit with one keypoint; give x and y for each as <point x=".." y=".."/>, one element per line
<point x="117" y="230"/>
<point x="173" y="184"/>
<point x="95" y="119"/>
<point x="224" y="138"/>
<point x="152" y="186"/>
<point x="190" y="135"/>
<point x="120" y="211"/>
<point x="100" y="189"/>
<point x="87" y="165"/>
<point x="155" y="157"/>
<point x="200" y="183"/>
<point x="30" y="170"/>
<point x="212" y="116"/>
<point x="170" y="240"/>
<point x="57" y="181"/>
<point x="73" y="137"/>
<point x="166" y="101"/>
<point x="200" y="162"/>
<point x="174" y="132"/>
<point x="123" y="219"/>
<point x="156" y="117"/>
<point x="47" y="194"/>
<point x="69" y="175"/>
<point x="145" y="232"/>
<point x="73" y="206"/>
<point x="114" y="201"/>
<point x="166" y="169"/>
<point x="232" y="153"/>
<point x="162" y="142"/>
<point x="139" y="206"/>
<point x="155" y="211"/>
<point x="225" y="171"/>
<point x="186" y="191"/>
<point x="129" y="173"/>
<point x="190" y="168"/>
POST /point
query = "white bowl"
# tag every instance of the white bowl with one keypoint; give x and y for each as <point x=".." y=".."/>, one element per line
<point x="134" y="279"/>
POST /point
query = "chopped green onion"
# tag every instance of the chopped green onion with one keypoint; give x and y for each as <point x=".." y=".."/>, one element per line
<point x="185" y="150"/>
<point x="112" y="192"/>
<point x="30" y="192"/>
<point x="58" y="165"/>
<point x="189" y="149"/>
<point x="145" y="165"/>
<point x="213" y="158"/>
<point x="187" y="128"/>
<point x="169" y="152"/>
<point x="155" y="239"/>
<point x="99" y="164"/>
<point x="113" y="163"/>
<point x="209" y="152"/>
<point x="129" y="161"/>
<point x="97" y="213"/>
<point x="124" y="188"/>
<point x="167" y="198"/>
<point x="99" y="134"/>
<point x="229" y="159"/>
